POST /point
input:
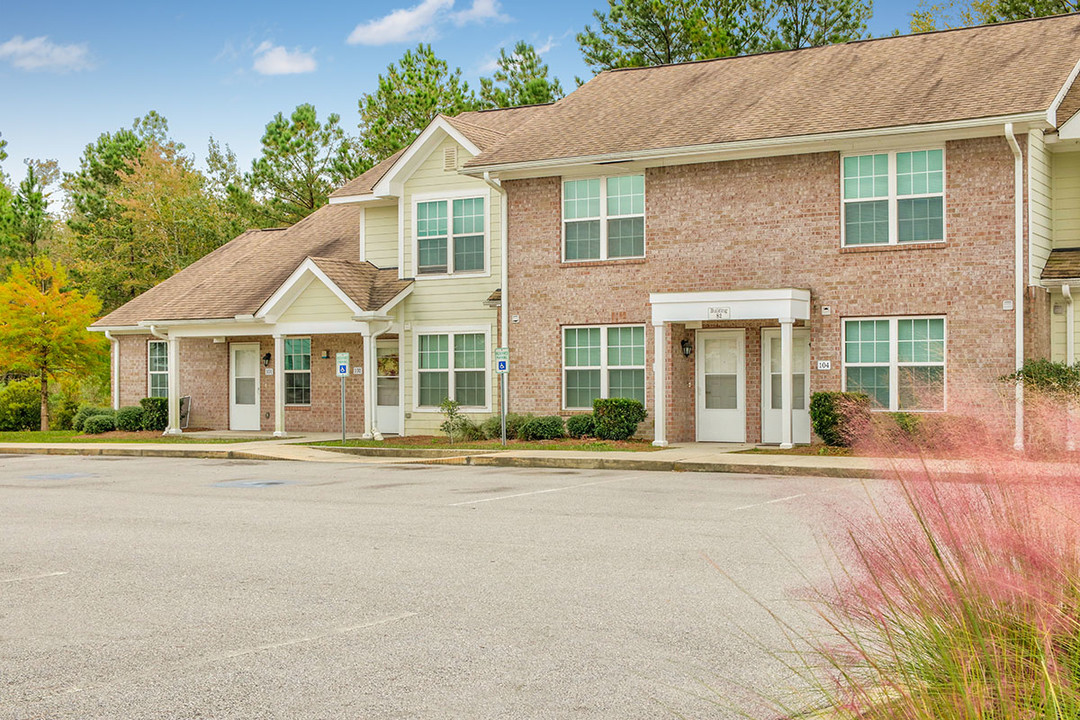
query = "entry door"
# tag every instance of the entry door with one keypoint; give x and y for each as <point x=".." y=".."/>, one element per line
<point x="388" y="398"/>
<point x="771" y="401"/>
<point x="721" y="385"/>
<point x="244" y="386"/>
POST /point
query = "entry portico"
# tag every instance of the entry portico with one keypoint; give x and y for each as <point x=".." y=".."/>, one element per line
<point x="785" y="306"/>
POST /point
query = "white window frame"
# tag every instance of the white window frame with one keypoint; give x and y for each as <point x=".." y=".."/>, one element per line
<point x="893" y="198"/>
<point x="894" y="360"/>
<point x="450" y="331"/>
<point x="150" y="373"/>
<point x="448" y="198"/>
<point x="604" y="217"/>
<point x="604" y="368"/>
<point x="309" y="372"/>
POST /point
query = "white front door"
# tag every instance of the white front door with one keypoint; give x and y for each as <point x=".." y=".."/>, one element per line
<point x="388" y="398"/>
<point x="244" y="386"/>
<point x="721" y="385"/>
<point x="771" y="413"/>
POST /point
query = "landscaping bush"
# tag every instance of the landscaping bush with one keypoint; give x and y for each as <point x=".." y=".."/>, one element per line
<point x="155" y="413"/>
<point x="129" y="419"/>
<point x="833" y="416"/>
<point x="617" y="418"/>
<point x="62" y="409"/>
<point x="580" y="426"/>
<point x="20" y="405"/>
<point x="550" y="427"/>
<point x="97" y="424"/>
<point x="85" y="411"/>
<point x="1051" y="378"/>
<point x="492" y="427"/>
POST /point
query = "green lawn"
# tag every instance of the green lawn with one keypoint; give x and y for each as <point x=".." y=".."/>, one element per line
<point x="71" y="436"/>
<point x="441" y="443"/>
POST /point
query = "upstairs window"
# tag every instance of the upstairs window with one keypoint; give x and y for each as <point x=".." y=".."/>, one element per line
<point x="894" y="198"/>
<point x="450" y="236"/>
<point x="604" y="218"/>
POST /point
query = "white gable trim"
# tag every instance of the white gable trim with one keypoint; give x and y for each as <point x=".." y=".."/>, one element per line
<point x="1051" y="113"/>
<point x="294" y="286"/>
<point x="421" y="147"/>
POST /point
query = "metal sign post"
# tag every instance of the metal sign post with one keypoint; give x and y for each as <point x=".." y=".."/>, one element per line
<point x="343" y="372"/>
<point x="502" y="367"/>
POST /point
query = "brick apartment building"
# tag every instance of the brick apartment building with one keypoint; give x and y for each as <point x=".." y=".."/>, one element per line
<point x="718" y="239"/>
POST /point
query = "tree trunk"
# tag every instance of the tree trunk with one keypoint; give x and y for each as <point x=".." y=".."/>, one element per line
<point x="44" y="401"/>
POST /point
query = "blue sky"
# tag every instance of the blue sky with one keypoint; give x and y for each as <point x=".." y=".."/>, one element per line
<point x="72" y="70"/>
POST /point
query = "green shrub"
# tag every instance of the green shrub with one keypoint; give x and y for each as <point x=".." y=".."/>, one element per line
<point x="155" y="413"/>
<point x="85" y="411"/>
<point x="492" y="427"/>
<point x="550" y="427"/>
<point x="579" y="426"/>
<point x="129" y="419"/>
<point x="62" y="411"/>
<point x="1050" y="378"/>
<point x="834" y="415"/>
<point x="20" y="405"/>
<point x="617" y="418"/>
<point x="908" y="423"/>
<point x="97" y="424"/>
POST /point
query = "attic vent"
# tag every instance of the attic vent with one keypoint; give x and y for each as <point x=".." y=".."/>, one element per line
<point x="449" y="159"/>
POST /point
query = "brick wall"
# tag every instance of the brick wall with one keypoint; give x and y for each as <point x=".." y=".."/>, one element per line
<point x="768" y="223"/>
<point x="204" y="375"/>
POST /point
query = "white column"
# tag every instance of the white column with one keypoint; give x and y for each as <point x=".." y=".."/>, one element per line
<point x="786" y="347"/>
<point x="114" y="367"/>
<point x="371" y="399"/>
<point x="369" y="384"/>
<point x="660" y="394"/>
<point x="279" y="386"/>
<point x="174" y="386"/>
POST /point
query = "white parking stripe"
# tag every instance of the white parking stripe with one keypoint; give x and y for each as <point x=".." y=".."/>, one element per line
<point x="535" y="492"/>
<point x="34" y="577"/>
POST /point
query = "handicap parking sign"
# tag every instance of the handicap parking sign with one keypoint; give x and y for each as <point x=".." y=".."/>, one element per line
<point x="502" y="360"/>
<point x="501" y="366"/>
<point x="342" y="364"/>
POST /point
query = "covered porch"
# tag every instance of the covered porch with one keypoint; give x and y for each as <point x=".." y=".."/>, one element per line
<point x="702" y="343"/>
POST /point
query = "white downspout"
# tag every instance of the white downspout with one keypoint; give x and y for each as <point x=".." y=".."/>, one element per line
<point x="1018" y="302"/>
<point x="1070" y="359"/>
<point x="114" y="368"/>
<point x="504" y="275"/>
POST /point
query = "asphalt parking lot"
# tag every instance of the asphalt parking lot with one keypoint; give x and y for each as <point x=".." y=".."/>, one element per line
<point x="165" y="588"/>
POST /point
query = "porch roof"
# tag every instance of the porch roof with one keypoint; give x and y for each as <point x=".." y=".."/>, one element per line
<point x="761" y="304"/>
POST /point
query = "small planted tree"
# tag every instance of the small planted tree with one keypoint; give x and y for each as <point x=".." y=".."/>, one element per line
<point x="451" y="410"/>
<point x="43" y="326"/>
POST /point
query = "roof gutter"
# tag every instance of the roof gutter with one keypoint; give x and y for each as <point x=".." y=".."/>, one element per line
<point x="1038" y="118"/>
<point x="1018" y="268"/>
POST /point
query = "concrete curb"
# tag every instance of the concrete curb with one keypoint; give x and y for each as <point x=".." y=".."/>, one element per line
<point x="402" y="452"/>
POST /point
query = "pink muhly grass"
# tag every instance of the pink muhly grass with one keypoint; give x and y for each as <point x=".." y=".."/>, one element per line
<point x="958" y="594"/>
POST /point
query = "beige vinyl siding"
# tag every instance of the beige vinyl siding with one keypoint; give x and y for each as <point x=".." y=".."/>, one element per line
<point x="447" y="302"/>
<point x="1058" y="350"/>
<point x="381" y="236"/>
<point x="1040" y="209"/>
<point x="1065" y="167"/>
<point x="316" y="303"/>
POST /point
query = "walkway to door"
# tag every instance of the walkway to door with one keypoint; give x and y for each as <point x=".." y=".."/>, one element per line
<point x="720" y="381"/>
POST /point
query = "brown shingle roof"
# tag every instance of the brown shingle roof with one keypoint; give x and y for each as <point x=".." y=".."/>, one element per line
<point x="238" y="277"/>
<point x="971" y="73"/>
<point x="362" y="185"/>
<point x="367" y="286"/>
<point x="1063" y="264"/>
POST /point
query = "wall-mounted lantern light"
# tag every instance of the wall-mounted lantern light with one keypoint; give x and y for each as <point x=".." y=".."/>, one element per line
<point x="266" y="360"/>
<point x="687" y="348"/>
<point x="325" y="354"/>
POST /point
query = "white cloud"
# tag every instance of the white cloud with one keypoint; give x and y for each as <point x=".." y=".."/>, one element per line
<point x="481" y="11"/>
<point x="402" y="25"/>
<point x="276" y="60"/>
<point x="40" y="53"/>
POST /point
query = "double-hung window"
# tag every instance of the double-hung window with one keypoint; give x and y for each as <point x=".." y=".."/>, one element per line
<point x="604" y="218"/>
<point x="603" y="362"/>
<point x="894" y="198"/>
<point x="898" y="362"/>
<point x="450" y="236"/>
<point x="297" y="371"/>
<point x="452" y="365"/>
<point x="157" y="365"/>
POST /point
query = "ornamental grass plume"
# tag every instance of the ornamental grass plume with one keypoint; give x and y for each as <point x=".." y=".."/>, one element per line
<point x="958" y="593"/>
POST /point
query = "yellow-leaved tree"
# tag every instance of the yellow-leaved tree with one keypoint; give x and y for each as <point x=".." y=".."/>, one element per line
<point x="43" y="326"/>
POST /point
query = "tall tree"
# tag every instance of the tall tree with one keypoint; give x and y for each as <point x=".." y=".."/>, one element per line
<point x="302" y="162"/>
<point x="522" y="80"/>
<point x="1023" y="9"/>
<point x="950" y="14"/>
<point x="25" y="223"/>
<point x="411" y="93"/>
<point x="636" y="33"/>
<point x="43" y="326"/>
